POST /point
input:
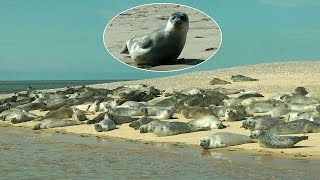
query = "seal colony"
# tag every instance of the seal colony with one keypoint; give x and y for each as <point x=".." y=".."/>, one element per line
<point x="138" y="109"/>
<point x="162" y="46"/>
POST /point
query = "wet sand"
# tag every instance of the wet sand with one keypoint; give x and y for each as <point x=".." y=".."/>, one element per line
<point x="273" y="78"/>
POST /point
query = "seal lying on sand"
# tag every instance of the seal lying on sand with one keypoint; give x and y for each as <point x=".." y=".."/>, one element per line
<point x="105" y="125"/>
<point x="234" y="115"/>
<point x="164" y="128"/>
<point x="53" y="123"/>
<point x="61" y="113"/>
<point x="295" y="127"/>
<point x="241" y="78"/>
<point x="208" y="121"/>
<point x="269" y="140"/>
<point x="142" y="121"/>
<point x="162" y="46"/>
<point x="260" y="123"/>
<point x="216" y="81"/>
<point x="16" y="116"/>
<point x="78" y="115"/>
<point x="224" y="139"/>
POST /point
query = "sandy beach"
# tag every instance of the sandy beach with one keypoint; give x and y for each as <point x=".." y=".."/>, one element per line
<point x="203" y="39"/>
<point x="274" y="78"/>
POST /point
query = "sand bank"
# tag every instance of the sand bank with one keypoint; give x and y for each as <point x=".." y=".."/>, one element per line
<point x="273" y="78"/>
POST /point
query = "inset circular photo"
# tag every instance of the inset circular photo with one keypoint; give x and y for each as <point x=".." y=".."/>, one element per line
<point x="162" y="37"/>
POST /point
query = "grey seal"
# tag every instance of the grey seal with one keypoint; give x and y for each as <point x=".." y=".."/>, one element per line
<point x="295" y="127"/>
<point x="53" y="123"/>
<point x="269" y="140"/>
<point x="224" y="139"/>
<point x="142" y="121"/>
<point x="196" y="112"/>
<point x="208" y="121"/>
<point x="216" y="81"/>
<point x="61" y="113"/>
<point x="234" y="115"/>
<point x="164" y="128"/>
<point x="241" y="78"/>
<point x="300" y="91"/>
<point x="260" y="123"/>
<point x="105" y="125"/>
<point x="17" y="116"/>
<point x="162" y="46"/>
<point x="78" y="115"/>
<point x="95" y="107"/>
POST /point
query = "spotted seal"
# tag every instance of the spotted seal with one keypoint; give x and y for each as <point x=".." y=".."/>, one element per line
<point x="269" y="140"/>
<point x="141" y="121"/>
<point x="224" y="139"/>
<point x="208" y="121"/>
<point x="216" y="81"/>
<point x="53" y="123"/>
<point x="78" y="115"/>
<point x="234" y="115"/>
<point x="105" y="125"/>
<point x="162" y="46"/>
<point x="260" y="123"/>
<point x="164" y="128"/>
<point x="295" y="127"/>
<point x="241" y="78"/>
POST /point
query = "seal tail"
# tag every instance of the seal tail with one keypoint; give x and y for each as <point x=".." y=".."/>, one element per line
<point x="300" y="138"/>
<point x="124" y="50"/>
<point x="36" y="127"/>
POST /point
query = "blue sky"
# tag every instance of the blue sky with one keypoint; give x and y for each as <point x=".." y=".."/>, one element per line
<point x="62" y="39"/>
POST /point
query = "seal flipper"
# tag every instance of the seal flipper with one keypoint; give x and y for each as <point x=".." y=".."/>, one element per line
<point x="124" y="49"/>
<point x="145" y="42"/>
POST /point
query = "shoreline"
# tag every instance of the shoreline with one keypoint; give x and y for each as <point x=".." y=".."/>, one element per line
<point x="274" y="78"/>
<point x="231" y="149"/>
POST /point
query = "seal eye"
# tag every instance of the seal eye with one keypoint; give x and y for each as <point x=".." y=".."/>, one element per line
<point x="173" y="18"/>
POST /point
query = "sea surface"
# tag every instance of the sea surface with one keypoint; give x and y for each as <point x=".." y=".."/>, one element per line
<point x="27" y="154"/>
<point x="16" y="86"/>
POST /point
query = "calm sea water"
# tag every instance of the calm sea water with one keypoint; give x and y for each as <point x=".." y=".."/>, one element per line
<point x="16" y="86"/>
<point x="26" y="154"/>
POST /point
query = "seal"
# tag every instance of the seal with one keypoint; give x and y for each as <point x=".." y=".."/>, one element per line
<point x="61" y="113"/>
<point x="95" y="107"/>
<point x="164" y="128"/>
<point x="208" y="121"/>
<point x="196" y="112"/>
<point x="162" y="46"/>
<point x="117" y="119"/>
<point x="260" y="123"/>
<point x="261" y="107"/>
<point x="53" y="123"/>
<point x="105" y="125"/>
<point x="298" y="99"/>
<point x="78" y="115"/>
<point x="295" y="127"/>
<point x="129" y="111"/>
<point x="17" y="116"/>
<point x="241" y="78"/>
<point x="142" y="121"/>
<point x="269" y="140"/>
<point x="234" y="115"/>
<point x="224" y="139"/>
<point x="160" y="112"/>
<point x="300" y="91"/>
<point x="216" y="81"/>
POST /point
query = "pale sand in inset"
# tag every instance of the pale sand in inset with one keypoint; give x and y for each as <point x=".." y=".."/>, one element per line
<point x="273" y="78"/>
<point x="203" y="39"/>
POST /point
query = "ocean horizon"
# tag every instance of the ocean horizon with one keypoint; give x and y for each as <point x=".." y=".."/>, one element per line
<point x="13" y="86"/>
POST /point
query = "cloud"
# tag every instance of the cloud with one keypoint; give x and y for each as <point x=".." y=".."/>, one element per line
<point x="290" y="3"/>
